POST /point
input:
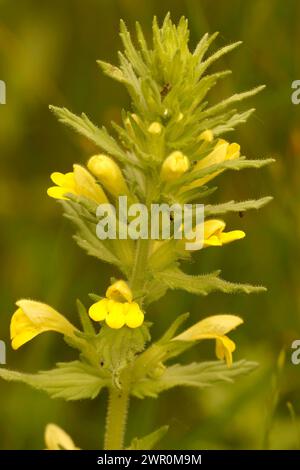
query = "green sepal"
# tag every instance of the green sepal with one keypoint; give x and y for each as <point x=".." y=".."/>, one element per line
<point x="95" y="297"/>
<point x="119" y="347"/>
<point x="87" y="325"/>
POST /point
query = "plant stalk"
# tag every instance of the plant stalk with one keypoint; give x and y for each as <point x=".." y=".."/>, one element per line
<point x="116" y="419"/>
<point x="118" y="401"/>
<point x="140" y="263"/>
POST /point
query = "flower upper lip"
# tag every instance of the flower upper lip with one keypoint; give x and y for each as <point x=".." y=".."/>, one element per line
<point x="32" y="318"/>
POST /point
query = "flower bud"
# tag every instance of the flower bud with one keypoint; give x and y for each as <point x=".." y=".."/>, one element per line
<point x="175" y="165"/>
<point x="136" y="118"/>
<point x="207" y="136"/>
<point x="108" y="173"/>
<point x="128" y="123"/>
<point x="155" y="128"/>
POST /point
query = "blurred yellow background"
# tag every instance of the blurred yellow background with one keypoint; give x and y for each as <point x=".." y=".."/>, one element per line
<point x="48" y="53"/>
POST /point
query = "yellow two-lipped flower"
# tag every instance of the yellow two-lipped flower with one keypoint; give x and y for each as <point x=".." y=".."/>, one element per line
<point x="222" y="152"/>
<point x="57" y="439"/>
<point x="214" y="327"/>
<point x="32" y="318"/>
<point x="118" y="309"/>
<point x="78" y="182"/>
<point x="214" y="234"/>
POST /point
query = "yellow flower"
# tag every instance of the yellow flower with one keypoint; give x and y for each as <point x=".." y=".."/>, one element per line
<point x="222" y="151"/>
<point x="117" y="309"/>
<point x="214" y="327"/>
<point x="33" y="318"/>
<point x="174" y="166"/>
<point x="109" y="174"/>
<point x="117" y="314"/>
<point x="214" y="235"/>
<point x="57" y="439"/>
<point x="79" y="182"/>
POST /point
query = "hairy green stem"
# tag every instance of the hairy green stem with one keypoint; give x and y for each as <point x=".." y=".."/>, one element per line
<point x="118" y="401"/>
<point x="142" y="247"/>
<point x="116" y="418"/>
<point x="140" y="262"/>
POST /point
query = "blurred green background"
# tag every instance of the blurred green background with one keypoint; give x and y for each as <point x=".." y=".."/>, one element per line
<point x="48" y="53"/>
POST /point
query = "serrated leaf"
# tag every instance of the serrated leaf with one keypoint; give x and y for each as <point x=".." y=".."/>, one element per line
<point x="99" y="137"/>
<point x="205" y="374"/>
<point x="143" y="44"/>
<point x="237" y="164"/>
<point x="133" y="55"/>
<point x="232" y="206"/>
<point x="237" y="97"/>
<point x="95" y="248"/>
<point x="112" y="71"/>
<point x="222" y="51"/>
<point x="86" y="236"/>
<point x="154" y="291"/>
<point x="199" y="375"/>
<point x="204" y="44"/>
<point x="148" y="442"/>
<point x="69" y="380"/>
<point x="194" y="194"/>
<point x="228" y="124"/>
<point x="204" y="284"/>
